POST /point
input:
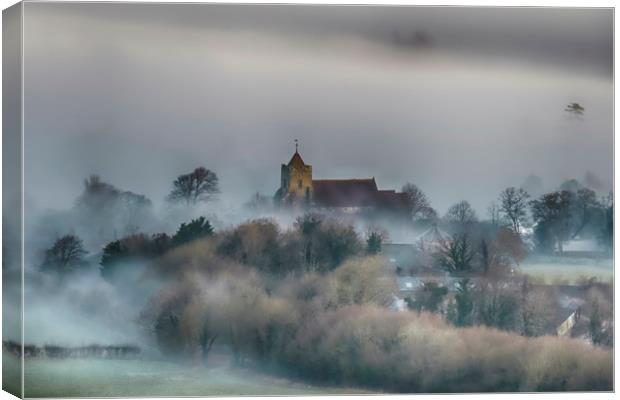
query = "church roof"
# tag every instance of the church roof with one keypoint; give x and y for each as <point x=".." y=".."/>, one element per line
<point x="345" y="192"/>
<point x="391" y="199"/>
<point x="296" y="161"/>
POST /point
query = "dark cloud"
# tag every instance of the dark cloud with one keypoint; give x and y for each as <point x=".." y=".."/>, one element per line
<point x="462" y="101"/>
<point x="566" y="36"/>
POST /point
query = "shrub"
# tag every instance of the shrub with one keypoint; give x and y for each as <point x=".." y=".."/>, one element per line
<point x="337" y="243"/>
<point x="335" y="327"/>
<point x="498" y="306"/>
<point x="374" y="241"/>
<point x="460" y="313"/>
<point x="362" y="281"/>
<point x="402" y="352"/>
<point x="314" y="244"/>
<point x="259" y="243"/>
<point x="427" y="298"/>
<point x="197" y="257"/>
<point x="326" y="243"/>
<point x="129" y="249"/>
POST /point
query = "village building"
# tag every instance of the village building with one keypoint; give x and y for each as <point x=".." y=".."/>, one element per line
<point x="582" y="248"/>
<point x="431" y="240"/>
<point x="415" y="258"/>
<point x="299" y="189"/>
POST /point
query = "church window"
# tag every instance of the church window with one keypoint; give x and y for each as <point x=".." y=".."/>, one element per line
<point x="299" y="184"/>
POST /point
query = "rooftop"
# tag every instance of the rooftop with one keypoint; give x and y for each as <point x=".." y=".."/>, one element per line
<point x="345" y="192"/>
<point x="296" y="161"/>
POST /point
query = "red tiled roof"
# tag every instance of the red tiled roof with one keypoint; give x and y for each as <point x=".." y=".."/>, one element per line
<point x="356" y="193"/>
<point x="392" y="200"/>
<point x="344" y="192"/>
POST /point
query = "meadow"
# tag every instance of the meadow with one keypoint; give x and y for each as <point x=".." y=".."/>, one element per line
<point x="565" y="270"/>
<point x="130" y="378"/>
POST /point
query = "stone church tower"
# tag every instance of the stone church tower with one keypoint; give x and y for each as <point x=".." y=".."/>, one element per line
<point x="295" y="181"/>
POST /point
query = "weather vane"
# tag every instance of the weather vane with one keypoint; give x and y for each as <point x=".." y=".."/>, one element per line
<point x="296" y="145"/>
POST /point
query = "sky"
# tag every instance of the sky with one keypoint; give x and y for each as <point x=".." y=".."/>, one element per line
<point x="461" y="101"/>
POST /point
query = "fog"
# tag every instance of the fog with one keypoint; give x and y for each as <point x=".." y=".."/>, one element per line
<point x="81" y="311"/>
<point x="463" y="102"/>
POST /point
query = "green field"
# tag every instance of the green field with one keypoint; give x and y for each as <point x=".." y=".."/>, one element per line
<point x="126" y="378"/>
<point x="558" y="270"/>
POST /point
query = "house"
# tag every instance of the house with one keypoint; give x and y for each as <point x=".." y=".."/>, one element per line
<point x="566" y="327"/>
<point x="582" y="248"/>
<point x="431" y="240"/>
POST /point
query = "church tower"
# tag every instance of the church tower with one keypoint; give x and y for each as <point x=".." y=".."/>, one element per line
<point x="295" y="180"/>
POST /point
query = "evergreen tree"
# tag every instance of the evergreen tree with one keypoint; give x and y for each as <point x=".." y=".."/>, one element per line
<point x="196" y="229"/>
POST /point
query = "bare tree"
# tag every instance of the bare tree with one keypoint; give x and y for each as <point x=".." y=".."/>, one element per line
<point x="111" y="210"/>
<point x="456" y="253"/>
<point x="66" y="255"/>
<point x="200" y="185"/>
<point x="461" y="215"/>
<point x="536" y="308"/>
<point x="585" y="205"/>
<point x="259" y="202"/>
<point x="598" y="313"/>
<point x="606" y="232"/>
<point x="501" y="252"/>
<point x="513" y="205"/>
<point x="97" y="194"/>
<point x="419" y="205"/>
<point x="494" y="213"/>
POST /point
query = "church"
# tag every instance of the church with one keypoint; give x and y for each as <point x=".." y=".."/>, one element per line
<point x="351" y="196"/>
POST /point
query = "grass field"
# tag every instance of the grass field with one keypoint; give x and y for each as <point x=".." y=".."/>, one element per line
<point x="126" y="378"/>
<point x="556" y="270"/>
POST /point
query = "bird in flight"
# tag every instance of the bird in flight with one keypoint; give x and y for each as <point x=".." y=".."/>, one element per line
<point x="575" y="108"/>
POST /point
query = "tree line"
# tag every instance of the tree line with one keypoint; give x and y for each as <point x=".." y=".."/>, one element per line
<point x="548" y="222"/>
<point x="516" y="225"/>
